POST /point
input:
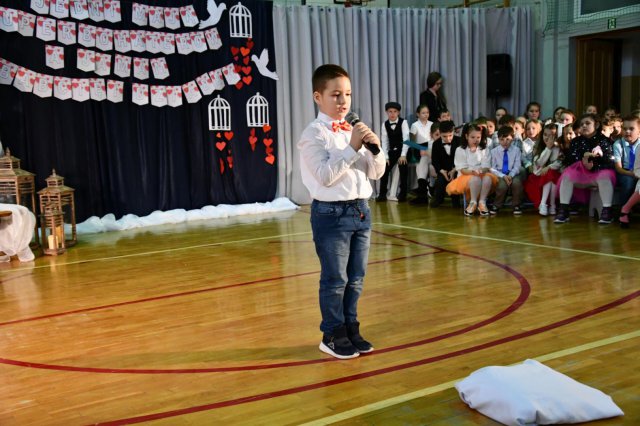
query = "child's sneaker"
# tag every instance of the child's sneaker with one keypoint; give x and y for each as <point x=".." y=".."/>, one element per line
<point x="562" y="216"/>
<point x="552" y="209"/>
<point x="543" y="210"/>
<point x="338" y="344"/>
<point x="516" y="210"/>
<point x="606" y="217"/>
<point x="353" y="333"/>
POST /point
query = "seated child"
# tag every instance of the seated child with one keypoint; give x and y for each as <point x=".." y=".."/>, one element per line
<point x="540" y="186"/>
<point x="443" y="155"/>
<point x="505" y="164"/>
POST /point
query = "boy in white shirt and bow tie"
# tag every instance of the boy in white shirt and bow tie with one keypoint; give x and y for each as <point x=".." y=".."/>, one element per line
<point x="393" y="133"/>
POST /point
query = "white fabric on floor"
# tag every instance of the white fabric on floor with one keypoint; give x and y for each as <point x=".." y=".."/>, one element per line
<point x="109" y="223"/>
<point x="531" y="393"/>
<point x="16" y="233"/>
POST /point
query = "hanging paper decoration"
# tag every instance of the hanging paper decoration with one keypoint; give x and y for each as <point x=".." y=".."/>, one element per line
<point x="172" y="17"/>
<point x="198" y="41"/>
<point x="230" y="74"/>
<point x="24" y="80"/>
<point x="215" y="13"/>
<point x="112" y="10"/>
<point x="141" y="68"/>
<point x="86" y="35"/>
<point x="159" y="96"/>
<point x="152" y="40"/>
<point x="188" y="15"/>
<point x="240" y="22"/>
<point x="26" y="23"/>
<point x="54" y="56"/>
<point x="140" y="94"/>
<point x="122" y="66"/>
<point x="217" y="78"/>
<point x="97" y="89"/>
<point x="191" y="92"/>
<point x="96" y="10"/>
<point x="8" y="19"/>
<point x="205" y="83"/>
<point x="115" y="91"/>
<point x="80" y="89"/>
<point x="213" y="39"/>
<point x="86" y="60"/>
<point x="184" y="43"/>
<point x="43" y="85"/>
<point x="46" y="28"/>
<point x="156" y="17"/>
<point x="59" y="8"/>
<point x="257" y="111"/>
<point x="262" y="62"/>
<point x="62" y="88"/>
<point x="122" y="40"/>
<point x="8" y="71"/>
<point x="66" y="32"/>
<point x="40" y="6"/>
<point x="138" y="43"/>
<point x="104" y="38"/>
<point x="79" y="9"/>
<point x="103" y="63"/>
<point x="160" y="68"/>
<point x="174" y="96"/>
<point x="168" y="43"/>
<point x="139" y="14"/>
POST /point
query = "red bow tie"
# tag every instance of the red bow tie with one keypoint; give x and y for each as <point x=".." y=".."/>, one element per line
<point x="335" y="125"/>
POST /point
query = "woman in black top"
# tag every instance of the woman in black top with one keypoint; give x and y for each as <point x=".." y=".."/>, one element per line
<point x="433" y="96"/>
<point x="589" y="162"/>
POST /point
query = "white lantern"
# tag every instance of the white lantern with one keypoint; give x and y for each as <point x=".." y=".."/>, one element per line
<point x="240" y="21"/>
<point x="257" y="111"/>
<point x="219" y="114"/>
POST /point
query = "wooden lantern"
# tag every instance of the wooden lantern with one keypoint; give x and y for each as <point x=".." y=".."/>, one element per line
<point x="52" y="230"/>
<point x="17" y="186"/>
<point x="60" y="197"/>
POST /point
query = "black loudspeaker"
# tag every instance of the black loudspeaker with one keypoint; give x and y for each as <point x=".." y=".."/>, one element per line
<point x="498" y="75"/>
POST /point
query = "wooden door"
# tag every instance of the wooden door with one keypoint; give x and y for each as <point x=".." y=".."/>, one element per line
<point x="597" y="80"/>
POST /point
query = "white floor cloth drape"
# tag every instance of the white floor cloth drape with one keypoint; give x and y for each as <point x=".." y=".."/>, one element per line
<point x="388" y="53"/>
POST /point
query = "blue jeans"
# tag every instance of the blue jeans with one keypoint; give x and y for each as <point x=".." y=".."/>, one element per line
<point x="341" y="232"/>
<point x="627" y="185"/>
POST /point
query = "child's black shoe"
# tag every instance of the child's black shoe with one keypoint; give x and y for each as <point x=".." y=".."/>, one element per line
<point x="338" y="344"/>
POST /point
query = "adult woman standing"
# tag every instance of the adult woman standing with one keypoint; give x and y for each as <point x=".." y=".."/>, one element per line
<point x="433" y="96"/>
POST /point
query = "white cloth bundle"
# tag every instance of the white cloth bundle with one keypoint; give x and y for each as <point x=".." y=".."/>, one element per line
<point x="16" y="233"/>
<point x="531" y="393"/>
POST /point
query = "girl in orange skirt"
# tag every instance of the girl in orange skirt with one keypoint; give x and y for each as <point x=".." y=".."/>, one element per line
<point x="473" y="162"/>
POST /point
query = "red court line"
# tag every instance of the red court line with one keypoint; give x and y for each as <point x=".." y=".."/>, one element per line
<point x="360" y="376"/>
<point x="192" y="292"/>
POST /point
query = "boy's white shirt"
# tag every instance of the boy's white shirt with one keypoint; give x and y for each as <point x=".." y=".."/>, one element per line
<point x="384" y="139"/>
<point x="331" y="169"/>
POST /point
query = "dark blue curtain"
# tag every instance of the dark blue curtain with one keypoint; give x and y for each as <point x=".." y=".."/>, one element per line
<point x="124" y="158"/>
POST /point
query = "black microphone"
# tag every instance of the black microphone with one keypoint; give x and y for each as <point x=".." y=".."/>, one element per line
<point x="353" y="119"/>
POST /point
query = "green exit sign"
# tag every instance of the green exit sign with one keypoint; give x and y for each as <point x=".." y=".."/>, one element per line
<point x="611" y="23"/>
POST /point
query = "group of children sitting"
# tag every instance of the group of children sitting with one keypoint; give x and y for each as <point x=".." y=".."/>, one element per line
<point x="556" y="164"/>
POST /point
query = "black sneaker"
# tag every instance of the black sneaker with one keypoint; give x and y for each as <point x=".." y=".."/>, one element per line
<point x="562" y="216"/>
<point x="353" y="333"/>
<point x="493" y="210"/>
<point x="517" y="210"/>
<point x="606" y="217"/>
<point x="338" y="344"/>
<point x="381" y="198"/>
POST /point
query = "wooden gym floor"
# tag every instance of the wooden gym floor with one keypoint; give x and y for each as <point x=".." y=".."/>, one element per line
<point x="217" y="322"/>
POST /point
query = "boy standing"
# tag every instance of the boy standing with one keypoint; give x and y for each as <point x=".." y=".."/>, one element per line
<point x="394" y="132"/>
<point x="505" y="163"/>
<point x="336" y="168"/>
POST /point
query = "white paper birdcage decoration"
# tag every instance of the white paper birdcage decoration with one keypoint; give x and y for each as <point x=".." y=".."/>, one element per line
<point x="257" y="111"/>
<point x="219" y="114"/>
<point x="240" y="21"/>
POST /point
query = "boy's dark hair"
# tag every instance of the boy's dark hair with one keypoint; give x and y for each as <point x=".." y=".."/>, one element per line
<point x="446" y="126"/>
<point x="482" y="120"/>
<point x="435" y="127"/>
<point x="432" y="78"/>
<point x="324" y="73"/>
<point x="444" y="111"/>
<point x="505" y="131"/>
<point x="508" y="120"/>
<point x="392" y="104"/>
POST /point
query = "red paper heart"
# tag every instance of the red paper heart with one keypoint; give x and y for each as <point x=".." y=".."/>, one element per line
<point x="133" y="36"/>
<point x="183" y="12"/>
<point x="234" y="50"/>
<point x="221" y="166"/>
<point x="235" y="58"/>
<point x="239" y="85"/>
<point x="269" y="150"/>
<point x="111" y="85"/>
<point x="236" y="68"/>
<point x="49" y="85"/>
<point x="137" y="63"/>
<point x="246" y="60"/>
<point x="61" y="56"/>
<point x="186" y="89"/>
<point x="230" y="161"/>
<point x="21" y="73"/>
<point x="39" y="23"/>
<point x="253" y="132"/>
<point x="15" y="19"/>
<point x="120" y="90"/>
<point x="218" y="135"/>
<point x="75" y="85"/>
<point x="228" y="135"/>
<point x="81" y="54"/>
<point x="244" y="51"/>
<point x="117" y="9"/>
<point x="270" y="159"/>
<point x="267" y="141"/>
<point x="253" y="140"/>
<point x="49" y="51"/>
<point x="250" y="44"/>
<point x="32" y="25"/>
<point x="107" y="5"/>
<point x="169" y="91"/>
<point x="152" y="12"/>
<point x="86" y="88"/>
<point x="266" y="128"/>
<point x="247" y="80"/>
<point x="221" y="145"/>
<point x="246" y="70"/>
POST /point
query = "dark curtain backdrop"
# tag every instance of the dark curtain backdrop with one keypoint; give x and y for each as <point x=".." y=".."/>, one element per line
<point x="124" y="158"/>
